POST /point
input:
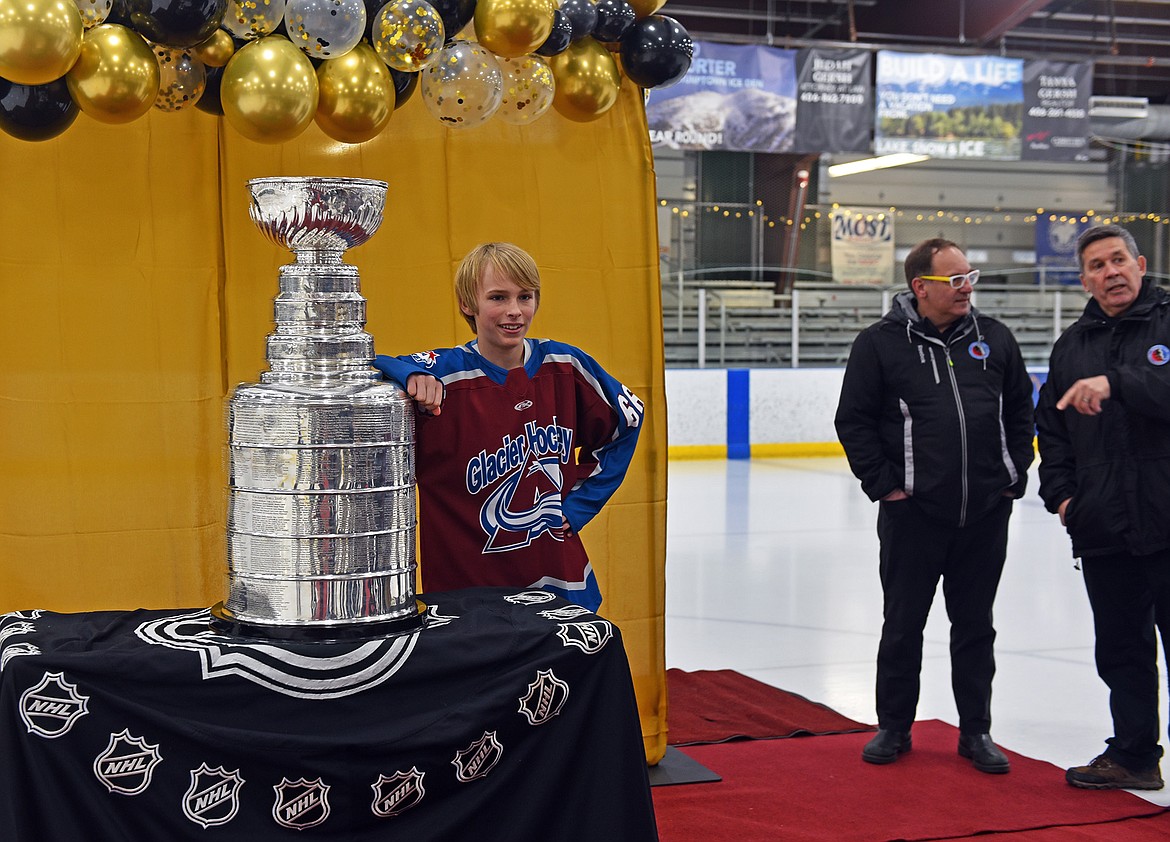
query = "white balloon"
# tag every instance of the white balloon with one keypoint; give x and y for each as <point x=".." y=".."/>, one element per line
<point x="325" y="28"/>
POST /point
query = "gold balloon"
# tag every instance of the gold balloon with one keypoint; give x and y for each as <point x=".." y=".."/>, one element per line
<point x="643" y="8"/>
<point x="512" y="28"/>
<point x="216" y="50"/>
<point x="357" y="95"/>
<point x="39" y="39"/>
<point x="269" y="90"/>
<point x="116" y="77"/>
<point x="587" y="80"/>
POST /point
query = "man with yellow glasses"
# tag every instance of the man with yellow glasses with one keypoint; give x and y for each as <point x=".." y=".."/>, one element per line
<point x="935" y="416"/>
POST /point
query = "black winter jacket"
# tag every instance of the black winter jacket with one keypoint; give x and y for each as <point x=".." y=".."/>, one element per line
<point x="946" y="419"/>
<point x="1115" y="466"/>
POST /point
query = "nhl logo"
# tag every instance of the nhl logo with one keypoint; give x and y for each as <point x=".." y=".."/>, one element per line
<point x="478" y="759"/>
<point x="589" y="637"/>
<point x="213" y="797"/>
<point x="567" y="612"/>
<point x="397" y="793"/>
<point x="300" y="803"/>
<point x="530" y="597"/>
<point x="51" y="708"/>
<point x="546" y="696"/>
<point x="127" y="764"/>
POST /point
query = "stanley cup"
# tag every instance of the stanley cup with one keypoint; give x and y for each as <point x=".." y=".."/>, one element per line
<point x="321" y="512"/>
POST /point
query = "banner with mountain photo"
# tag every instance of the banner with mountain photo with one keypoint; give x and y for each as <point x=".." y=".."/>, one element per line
<point x="764" y="99"/>
<point x="949" y="106"/>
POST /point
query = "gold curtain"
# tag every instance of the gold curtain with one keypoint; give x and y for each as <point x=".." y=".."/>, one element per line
<point x="137" y="294"/>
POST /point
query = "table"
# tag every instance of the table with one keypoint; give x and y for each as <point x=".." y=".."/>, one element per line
<point x="510" y="716"/>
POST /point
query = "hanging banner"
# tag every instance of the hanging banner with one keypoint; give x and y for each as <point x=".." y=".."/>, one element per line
<point x="1056" y="247"/>
<point x="862" y="248"/>
<point x="1056" y="110"/>
<point x="733" y="98"/>
<point x="949" y="106"/>
<point x="835" y="101"/>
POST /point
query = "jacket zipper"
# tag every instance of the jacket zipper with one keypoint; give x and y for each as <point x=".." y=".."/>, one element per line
<point x="962" y="435"/>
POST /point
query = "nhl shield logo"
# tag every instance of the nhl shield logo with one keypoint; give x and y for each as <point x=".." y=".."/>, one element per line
<point x="530" y="597"/>
<point x="213" y="797"/>
<point x="567" y="612"/>
<point x="397" y="793"/>
<point x="546" y="696"/>
<point x="589" y="637"/>
<point x="479" y="758"/>
<point x="127" y="764"/>
<point x="300" y="803"/>
<point x="52" y="707"/>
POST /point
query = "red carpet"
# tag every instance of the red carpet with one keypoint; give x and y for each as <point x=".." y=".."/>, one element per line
<point x="819" y="790"/>
<point x="713" y="706"/>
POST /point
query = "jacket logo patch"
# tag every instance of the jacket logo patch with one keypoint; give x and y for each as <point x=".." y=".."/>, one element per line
<point x="479" y="758"/>
<point x="566" y="612"/>
<point x="397" y="793"/>
<point x="301" y="803"/>
<point x="523" y="405"/>
<point x="426" y="358"/>
<point x="979" y="350"/>
<point x="530" y="597"/>
<point x="127" y="764"/>
<point x="1158" y="355"/>
<point x="213" y="797"/>
<point x="589" y="637"/>
<point x="15" y="629"/>
<point x="546" y="696"/>
<point x="52" y="707"/>
<point x="13" y="649"/>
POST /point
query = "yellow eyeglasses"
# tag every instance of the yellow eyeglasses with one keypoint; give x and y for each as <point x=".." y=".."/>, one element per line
<point x="956" y="281"/>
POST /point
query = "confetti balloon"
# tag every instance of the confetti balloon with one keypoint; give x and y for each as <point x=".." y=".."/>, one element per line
<point x="408" y="35"/>
<point x="182" y="78"/>
<point x="325" y="28"/>
<point x="252" y="19"/>
<point x="39" y="39"/>
<point x="116" y="77"/>
<point x="528" y="89"/>
<point x="94" y="12"/>
<point x="464" y="87"/>
<point x="269" y="90"/>
<point x="357" y="95"/>
<point x="587" y="80"/>
<point x="512" y="28"/>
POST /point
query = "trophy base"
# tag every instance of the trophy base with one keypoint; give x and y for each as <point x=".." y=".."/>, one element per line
<point x="223" y="621"/>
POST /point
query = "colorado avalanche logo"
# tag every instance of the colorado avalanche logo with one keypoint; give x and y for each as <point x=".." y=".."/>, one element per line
<point x="213" y="797"/>
<point x="546" y="696"/>
<point x="1158" y="355"/>
<point x="478" y="759"/>
<point x="397" y="793"/>
<point x="300" y="803"/>
<point x="342" y="671"/>
<point x="52" y="707"/>
<point x="979" y="350"/>
<point x="589" y="637"/>
<point x="127" y="764"/>
<point x="426" y="358"/>
<point x="525" y="505"/>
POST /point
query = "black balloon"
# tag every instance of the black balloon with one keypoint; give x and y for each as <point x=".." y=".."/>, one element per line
<point x="656" y="52"/>
<point x="582" y="14"/>
<point x="614" y="17"/>
<point x="36" y="112"/>
<point x="558" y="40"/>
<point x="173" y="23"/>
<point x="210" y="101"/>
<point x="456" y="14"/>
<point x="404" y="85"/>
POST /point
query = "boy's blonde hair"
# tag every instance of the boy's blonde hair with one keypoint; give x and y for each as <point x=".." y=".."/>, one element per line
<point x="508" y="260"/>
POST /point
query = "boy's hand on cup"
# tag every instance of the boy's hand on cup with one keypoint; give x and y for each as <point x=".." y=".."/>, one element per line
<point x="427" y="392"/>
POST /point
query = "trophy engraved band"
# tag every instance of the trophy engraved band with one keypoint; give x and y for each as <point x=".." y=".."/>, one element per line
<point x="321" y="512"/>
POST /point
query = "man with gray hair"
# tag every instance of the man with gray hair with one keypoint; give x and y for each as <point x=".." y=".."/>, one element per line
<point x="1102" y="422"/>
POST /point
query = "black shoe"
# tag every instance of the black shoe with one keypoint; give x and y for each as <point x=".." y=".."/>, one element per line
<point x="885" y="747"/>
<point x="1103" y="773"/>
<point x="984" y="754"/>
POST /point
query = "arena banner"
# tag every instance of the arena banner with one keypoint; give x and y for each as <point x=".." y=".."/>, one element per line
<point x="1056" y="110"/>
<point x="1056" y="247"/>
<point x="949" y="106"/>
<point x="862" y="246"/>
<point x="835" y="109"/>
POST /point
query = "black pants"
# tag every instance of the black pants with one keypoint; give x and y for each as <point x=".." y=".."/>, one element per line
<point x="1130" y="596"/>
<point x="915" y="552"/>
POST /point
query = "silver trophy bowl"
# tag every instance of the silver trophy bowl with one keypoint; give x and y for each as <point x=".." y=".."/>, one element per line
<point x="321" y="497"/>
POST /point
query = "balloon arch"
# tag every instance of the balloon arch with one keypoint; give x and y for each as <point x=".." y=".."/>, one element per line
<point x="271" y="67"/>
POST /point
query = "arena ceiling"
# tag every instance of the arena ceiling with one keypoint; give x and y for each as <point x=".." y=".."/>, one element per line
<point x="1129" y="42"/>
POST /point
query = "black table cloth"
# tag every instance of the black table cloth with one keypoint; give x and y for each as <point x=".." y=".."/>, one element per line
<point x="510" y="716"/>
